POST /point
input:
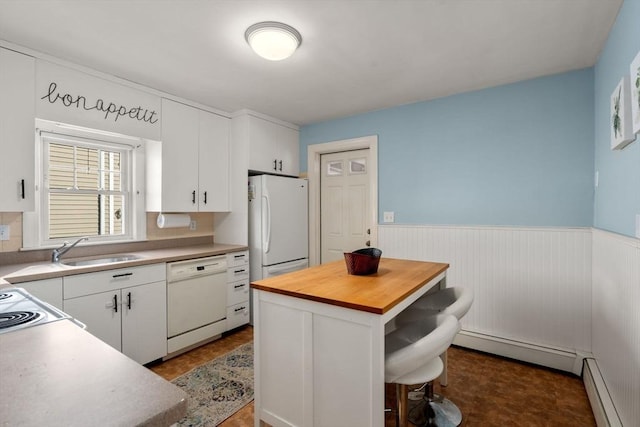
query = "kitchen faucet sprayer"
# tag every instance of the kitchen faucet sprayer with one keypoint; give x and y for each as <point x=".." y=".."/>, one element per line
<point x="58" y="252"/>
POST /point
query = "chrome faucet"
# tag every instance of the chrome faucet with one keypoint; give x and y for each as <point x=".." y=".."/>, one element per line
<point x="58" y="252"/>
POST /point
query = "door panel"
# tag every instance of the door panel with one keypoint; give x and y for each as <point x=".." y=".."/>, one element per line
<point x="144" y="326"/>
<point x="285" y="222"/>
<point x="344" y="203"/>
<point x="97" y="311"/>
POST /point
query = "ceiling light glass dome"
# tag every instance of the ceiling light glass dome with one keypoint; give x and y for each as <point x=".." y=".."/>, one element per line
<point x="273" y="40"/>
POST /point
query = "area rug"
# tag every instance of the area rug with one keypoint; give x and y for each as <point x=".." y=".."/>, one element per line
<point x="218" y="388"/>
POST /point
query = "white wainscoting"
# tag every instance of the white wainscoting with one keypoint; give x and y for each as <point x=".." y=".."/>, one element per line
<point x="616" y="320"/>
<point x="532" y="286"/>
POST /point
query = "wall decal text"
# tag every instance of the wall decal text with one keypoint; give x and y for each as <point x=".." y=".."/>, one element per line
<point x="137" y="113"/>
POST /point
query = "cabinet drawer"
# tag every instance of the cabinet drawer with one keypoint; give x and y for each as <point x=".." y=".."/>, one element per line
<point x="238" y="292"/>
<point x="108" y="280"/>
<point x="235" y="259"/>
<point x="237" y="315"/>
<point x="236" y="273"/>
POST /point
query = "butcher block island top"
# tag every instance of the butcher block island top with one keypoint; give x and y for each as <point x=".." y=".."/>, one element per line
<point x="376" y="293"/>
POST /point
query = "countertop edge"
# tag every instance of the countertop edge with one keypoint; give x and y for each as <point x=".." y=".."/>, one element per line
<point x="19" y="273"/>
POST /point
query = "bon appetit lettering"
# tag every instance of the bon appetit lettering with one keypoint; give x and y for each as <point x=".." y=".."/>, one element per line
<point x="109" y="109"/>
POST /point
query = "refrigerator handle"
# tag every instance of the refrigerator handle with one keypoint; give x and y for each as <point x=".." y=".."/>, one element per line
<point x="266" y="243"/>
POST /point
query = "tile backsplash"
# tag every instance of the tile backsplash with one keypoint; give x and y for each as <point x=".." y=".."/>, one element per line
<point x="204" y="227"/>
<point x="12" y="220"/>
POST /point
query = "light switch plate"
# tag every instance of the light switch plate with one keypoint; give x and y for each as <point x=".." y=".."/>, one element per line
<point x="192" y="224"/>
<point x="388" y="217"/>
<point x="4" y="232"/>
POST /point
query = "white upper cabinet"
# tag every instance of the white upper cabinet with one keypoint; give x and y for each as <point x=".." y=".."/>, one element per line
<point x="180" y="134"/>
<point x="17" y="121"/>
<point x="213" y="163"/>
<point x="189" y="170"/>
<point x="273" y="147"/>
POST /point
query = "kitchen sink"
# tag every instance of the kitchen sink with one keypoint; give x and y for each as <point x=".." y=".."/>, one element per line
<point x="101" y="261"/>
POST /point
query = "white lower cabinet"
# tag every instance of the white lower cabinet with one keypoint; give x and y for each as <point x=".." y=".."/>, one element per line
<point x="238" y="313"/>
<point x="47" y="290"/>
<point x="126" y="308"/>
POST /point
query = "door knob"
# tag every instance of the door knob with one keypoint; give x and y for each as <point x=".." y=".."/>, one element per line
<point x="368" y="243"/>
<point x="368" y="231"/>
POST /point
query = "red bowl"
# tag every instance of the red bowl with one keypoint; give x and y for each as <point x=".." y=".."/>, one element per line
<point x="362" y="264"/>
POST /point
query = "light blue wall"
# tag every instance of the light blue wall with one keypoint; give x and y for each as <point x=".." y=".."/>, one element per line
<point x="617" y="198"/>
<point x="519" y="154"/>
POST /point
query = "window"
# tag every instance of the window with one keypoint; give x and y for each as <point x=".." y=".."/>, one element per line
<point x="87" y="187"/>
<point x="334" y="168"/>
<point x="86" y="192"/>
<point x="357" y="166"/>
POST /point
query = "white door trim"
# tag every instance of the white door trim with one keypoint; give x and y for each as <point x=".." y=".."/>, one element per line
<point x="314" y="152"/>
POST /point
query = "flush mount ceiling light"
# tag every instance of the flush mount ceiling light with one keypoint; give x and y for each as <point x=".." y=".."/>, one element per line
<point x="273" y="40"/>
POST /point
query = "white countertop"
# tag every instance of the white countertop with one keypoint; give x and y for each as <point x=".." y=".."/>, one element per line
<point x="18" y="273"/>
<point x="57" y="374"/>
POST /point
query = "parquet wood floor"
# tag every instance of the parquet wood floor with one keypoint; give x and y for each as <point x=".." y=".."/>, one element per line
<point x="489" y="390"/>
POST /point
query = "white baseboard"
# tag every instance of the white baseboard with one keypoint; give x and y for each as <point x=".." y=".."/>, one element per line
<point x="603" y="409"/>
<point x="564" y="360"/>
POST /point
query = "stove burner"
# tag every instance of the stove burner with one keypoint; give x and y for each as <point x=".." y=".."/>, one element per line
<point x="16" y="318"/>
<point x="5" y="296"/>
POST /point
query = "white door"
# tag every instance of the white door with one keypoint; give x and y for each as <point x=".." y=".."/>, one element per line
<point x="179" y="157"/>
<point x="17" y="110"/>
<point x="345" y="203"/>
<point x="213" y="163"/>
<point x="101" y="313"/>
<point x="284" y="219"/>
<point x="144" y="326"/>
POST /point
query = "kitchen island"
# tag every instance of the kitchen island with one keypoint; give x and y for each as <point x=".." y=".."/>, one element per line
<point x="319" y="340"/>
<point x="57" y="374"/>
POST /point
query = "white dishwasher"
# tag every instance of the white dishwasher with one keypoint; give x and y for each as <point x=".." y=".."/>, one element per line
<point x="196" y="302"/>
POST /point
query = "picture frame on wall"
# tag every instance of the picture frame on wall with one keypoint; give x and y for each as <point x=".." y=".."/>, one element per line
<point x="634" y="79"/>
<point x="621" y="134"/>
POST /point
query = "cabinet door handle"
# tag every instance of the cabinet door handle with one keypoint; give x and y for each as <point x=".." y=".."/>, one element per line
<point x="280" y="165"/>
<point x="205" y="197"/>
<point x="193" y="197"/>
<point x="275" y="164"/>
<point x="129" y="300"/>
<point x="239" y="309"/>
<point x="22" y="188"/>
<point x="115" y="276"/>
<point x="238" y="286"/>
<point x="115" y="303"/>
<point x="239" y="271"/>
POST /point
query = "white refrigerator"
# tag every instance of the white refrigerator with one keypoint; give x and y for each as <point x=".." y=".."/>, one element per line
<point x="278" y="225"/>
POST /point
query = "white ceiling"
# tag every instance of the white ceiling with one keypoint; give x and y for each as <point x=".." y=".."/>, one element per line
<point x="356" y="55"/>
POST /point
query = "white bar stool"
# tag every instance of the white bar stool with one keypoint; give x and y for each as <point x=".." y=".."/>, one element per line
<point x="455" y="300"/>
<point x="412" y="356"/>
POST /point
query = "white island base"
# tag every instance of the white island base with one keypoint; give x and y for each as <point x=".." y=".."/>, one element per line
<point x="319" y="364"/>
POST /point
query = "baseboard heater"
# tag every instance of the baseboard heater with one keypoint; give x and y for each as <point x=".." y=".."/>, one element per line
<point x="602" y="406"/>
<point x="561" y="359"/>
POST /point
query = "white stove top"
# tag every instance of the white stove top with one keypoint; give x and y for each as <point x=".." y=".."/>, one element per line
<point x="19" y="309"/>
